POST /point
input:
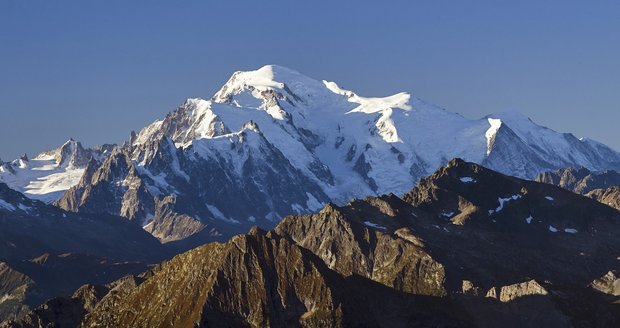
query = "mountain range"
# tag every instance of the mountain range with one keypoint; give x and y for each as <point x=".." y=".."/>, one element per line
<point x="288" y="201"/>
<point x="272" y="142"/>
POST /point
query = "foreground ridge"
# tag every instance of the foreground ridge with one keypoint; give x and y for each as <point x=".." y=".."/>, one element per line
<point x="467" y="246"/>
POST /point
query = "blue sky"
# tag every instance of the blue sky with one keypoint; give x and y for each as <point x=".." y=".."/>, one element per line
<point x="95" y="70"/>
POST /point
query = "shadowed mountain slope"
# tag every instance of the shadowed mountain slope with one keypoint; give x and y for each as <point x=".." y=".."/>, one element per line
<point x="466" y="247"/>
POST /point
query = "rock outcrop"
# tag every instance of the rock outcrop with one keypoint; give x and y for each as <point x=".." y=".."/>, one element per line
<point x="581" y="180"/>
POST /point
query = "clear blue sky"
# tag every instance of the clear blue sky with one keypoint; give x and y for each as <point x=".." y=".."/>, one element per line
<point x="95" y="70"/>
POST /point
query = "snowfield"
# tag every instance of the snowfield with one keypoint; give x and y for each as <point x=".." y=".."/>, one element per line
<point x="48" y="175"/>
<point x="42" y="179"/>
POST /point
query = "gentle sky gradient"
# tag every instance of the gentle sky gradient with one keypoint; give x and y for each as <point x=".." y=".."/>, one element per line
<point x="95" y="70"/>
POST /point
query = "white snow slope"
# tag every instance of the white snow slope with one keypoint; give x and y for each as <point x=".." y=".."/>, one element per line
<point x="47" y="176"/>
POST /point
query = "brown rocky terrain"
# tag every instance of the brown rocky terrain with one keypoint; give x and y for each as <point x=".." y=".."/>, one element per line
<point x="609" y="196"/>
<point x="13" y="288"/>
<point x="580" y="180"/>
<point x="602" y="186"/>
<point x="466" y="247"/>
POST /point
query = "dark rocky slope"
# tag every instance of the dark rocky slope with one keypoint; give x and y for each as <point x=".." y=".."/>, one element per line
<point x="46" y="252"/>
<point x="214" y="203"/>
<point x="466" y="247"/>
<point x="29" y="228"/>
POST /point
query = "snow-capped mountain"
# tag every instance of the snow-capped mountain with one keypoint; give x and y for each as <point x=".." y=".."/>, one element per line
<point x="272" y="142"/>
<point x="48" y="175"/>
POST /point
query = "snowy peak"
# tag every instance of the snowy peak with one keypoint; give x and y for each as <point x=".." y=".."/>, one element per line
<point x="71" y="153"/>
<point x="545" y="147"/>
<point x="46" y="176"/>
<point x="265" y="80"/>
<point x="194" y="120"/>
<point x="266" y="88"/>
<point x="281" y="92"/>
<point x="300" y="105"/>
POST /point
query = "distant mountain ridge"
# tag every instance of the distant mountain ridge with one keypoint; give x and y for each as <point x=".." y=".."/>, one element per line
<point x="581" y="180"/>
<point x="603" y="186"/>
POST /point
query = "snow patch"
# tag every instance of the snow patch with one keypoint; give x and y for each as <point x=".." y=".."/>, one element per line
<point x="467" y="179"/>
<point x="553" y="229"/>
<point x="570" y="230"/>
<point x="148" y="219"/>
<point x="297" y="208"/>
<point x="219" y="215"/>
<point x="447" y="214"/>
<point x="502" y="202"/>
<point x="529" y="219"/>
<point x="24" y="207"/>
<point x="148" y="226"/>
<point x="374" y="225"/>
<point x="494" y="125"/>
<point x="549" y="198"/>
<point x="7" y="206"/>
<point x="312" y="203"/>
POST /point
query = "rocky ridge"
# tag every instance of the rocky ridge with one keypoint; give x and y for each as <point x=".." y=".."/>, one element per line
<point x="466" y="247"/>
<point x="603" y="186"/>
